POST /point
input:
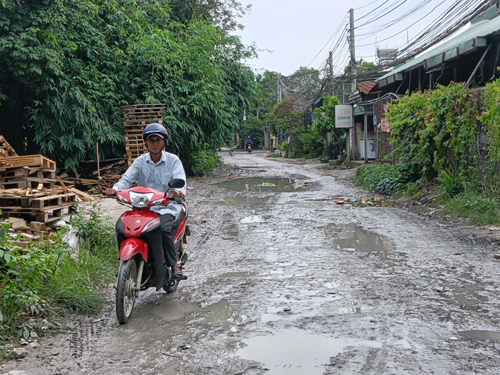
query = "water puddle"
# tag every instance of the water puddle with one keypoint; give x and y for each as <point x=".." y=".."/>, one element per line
<point x="467" y="297"/>
<point x="293" y="351"/>
<point x="354" y="238"/>
<point x="480" y="335"/>
<point x="262" y="184"/>
<point x="244" y="201"/>
<point x="169" y="311"/>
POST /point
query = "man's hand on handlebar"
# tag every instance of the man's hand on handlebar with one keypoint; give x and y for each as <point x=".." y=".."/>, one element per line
<point x="178" y="195"/>
<point x="110" y="191"/>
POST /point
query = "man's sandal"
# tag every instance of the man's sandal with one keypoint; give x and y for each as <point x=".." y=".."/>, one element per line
<point x="177" y="274"/>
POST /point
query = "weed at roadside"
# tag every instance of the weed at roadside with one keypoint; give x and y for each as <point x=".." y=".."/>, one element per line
<point x="477" y="208"/>
<point x="49" y="274"/>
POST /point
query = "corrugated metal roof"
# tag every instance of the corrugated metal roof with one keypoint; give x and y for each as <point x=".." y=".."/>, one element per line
<point x="461" y="44"/>
<point x="366" y="87"/>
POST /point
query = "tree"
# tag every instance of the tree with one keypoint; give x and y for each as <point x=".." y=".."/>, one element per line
<point x="68" y="66"/>
<point x="222" y="13"/>
<point x="324" y="124"/>
<point x="305" y="84"/>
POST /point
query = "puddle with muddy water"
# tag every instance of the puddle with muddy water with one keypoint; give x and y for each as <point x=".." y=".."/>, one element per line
<point x="479" y="335"/>
<point x="262" y="184"/>
<point x="293" y="351"/>
<point x="354" y="238"/>
<point x="245" y="201"/>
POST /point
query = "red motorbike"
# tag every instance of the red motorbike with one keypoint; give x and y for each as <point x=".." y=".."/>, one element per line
<point x="139" y="241"/>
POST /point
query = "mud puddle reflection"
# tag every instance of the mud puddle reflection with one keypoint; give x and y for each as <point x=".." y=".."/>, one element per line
<point x="293" y="351"/>
<point x="354" y="238"/>
<point x="262" y="184"/>
<point x="245" y="201"/>
<point x="480" y="335"/>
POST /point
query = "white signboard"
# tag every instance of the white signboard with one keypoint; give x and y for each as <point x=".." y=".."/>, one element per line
<point x="343" y="116"/>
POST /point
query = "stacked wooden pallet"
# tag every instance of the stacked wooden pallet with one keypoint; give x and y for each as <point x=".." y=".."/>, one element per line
<point x="38" y="161"/>
<point x="26" y="177"/>
<point x="5" y="148"/>
<point x="39" y="205"/>
<point x="28" y="192"/>
<point x="135" y="119"/>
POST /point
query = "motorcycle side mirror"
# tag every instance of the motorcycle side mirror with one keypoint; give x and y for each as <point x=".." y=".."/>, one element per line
<point x="176" y="183"/>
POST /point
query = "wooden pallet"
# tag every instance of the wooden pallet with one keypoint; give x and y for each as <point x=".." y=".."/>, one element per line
<point x="134" y="121"/>
<point x="32" y="183"/>
<point x="20" y="172"/>
<point x="6" y="149"/>
<point x="28" y="161"/>
<point x="37" y="202"/>
<point x="53" y="200"/>
<point x="44" y="215"/>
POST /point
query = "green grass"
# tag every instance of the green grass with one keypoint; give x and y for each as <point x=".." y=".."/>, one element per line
<point x="47" y="275"/>
<point x="477" y="208"/>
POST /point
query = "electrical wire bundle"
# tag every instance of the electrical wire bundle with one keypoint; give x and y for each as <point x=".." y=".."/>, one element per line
<point x="386" y="18"/>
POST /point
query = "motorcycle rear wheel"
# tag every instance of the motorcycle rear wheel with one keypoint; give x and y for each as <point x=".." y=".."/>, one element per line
<point x="125" y="290"/>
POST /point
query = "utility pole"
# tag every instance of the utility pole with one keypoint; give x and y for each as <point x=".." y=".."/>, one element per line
<point x="352" y="129"/>
<point x="279" y="92"/>
<point x="330" y="73"/>
<point x="353" y="50"/>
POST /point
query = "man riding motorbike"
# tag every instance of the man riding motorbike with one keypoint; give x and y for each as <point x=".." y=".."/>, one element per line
<point x="154" y="170"/>
<point x="249" y="143"/>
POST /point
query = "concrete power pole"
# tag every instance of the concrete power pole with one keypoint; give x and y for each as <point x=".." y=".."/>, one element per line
<point x="279" y="93"/>
<point x="353" y="50"/>
<point x="352" y="130"/>
<point x="330" y="73"/>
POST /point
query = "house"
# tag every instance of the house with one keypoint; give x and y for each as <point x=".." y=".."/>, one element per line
<point x="471" y="56"/>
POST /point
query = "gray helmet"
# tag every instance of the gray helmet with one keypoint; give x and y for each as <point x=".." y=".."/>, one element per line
<point x="155" y="129"/>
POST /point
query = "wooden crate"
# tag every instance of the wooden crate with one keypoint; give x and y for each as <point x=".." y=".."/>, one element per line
<point x="27" y="161"/>
<point x="135" y="119"/>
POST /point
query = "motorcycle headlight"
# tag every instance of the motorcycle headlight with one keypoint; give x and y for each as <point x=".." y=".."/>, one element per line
<point x="140" y="200"/>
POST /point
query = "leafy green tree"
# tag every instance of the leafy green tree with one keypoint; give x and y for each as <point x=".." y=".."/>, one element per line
<point x="223" y="13"/>
<point x="68" y="66"/>
<point x="324" y="124"/>
<point x="306" y="85"/>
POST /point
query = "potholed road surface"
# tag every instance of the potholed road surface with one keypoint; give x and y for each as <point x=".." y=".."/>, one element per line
<point x="282" y="280"/>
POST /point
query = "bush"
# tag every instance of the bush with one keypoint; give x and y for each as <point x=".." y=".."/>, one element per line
<point x="202" y="163"/>
<point x="450" y="182"/>
<point x="284" y="146"/>
<point x="386" y="178"/>
<point x="50" y="273"/>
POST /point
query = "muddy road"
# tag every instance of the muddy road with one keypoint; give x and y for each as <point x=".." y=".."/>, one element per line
<point x="284" y="281"/>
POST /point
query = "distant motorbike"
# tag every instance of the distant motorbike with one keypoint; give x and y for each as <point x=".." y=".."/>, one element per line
<point x="133" y="230"/>
<point x="249" y="147"/>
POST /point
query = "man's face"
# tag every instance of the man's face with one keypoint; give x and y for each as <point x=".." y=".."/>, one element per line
<point x="155" y="143"/>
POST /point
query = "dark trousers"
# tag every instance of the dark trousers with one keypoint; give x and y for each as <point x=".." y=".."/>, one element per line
<point x="168" y="239"/>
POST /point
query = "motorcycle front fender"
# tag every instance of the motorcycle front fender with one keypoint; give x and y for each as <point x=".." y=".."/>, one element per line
<point x="132" y="246"/>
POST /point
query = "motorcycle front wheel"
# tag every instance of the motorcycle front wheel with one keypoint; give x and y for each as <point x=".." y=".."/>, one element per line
<point x="171" y="286"/>
<point x="126" y="290"/>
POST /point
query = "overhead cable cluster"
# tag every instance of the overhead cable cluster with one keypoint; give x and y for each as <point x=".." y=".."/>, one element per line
<point x="385" y="20"/>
